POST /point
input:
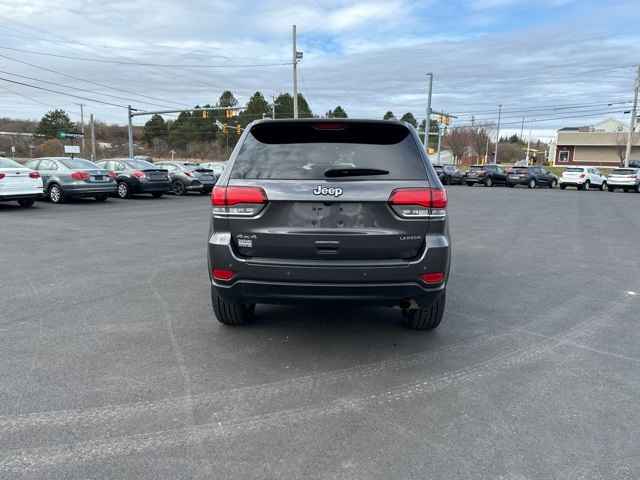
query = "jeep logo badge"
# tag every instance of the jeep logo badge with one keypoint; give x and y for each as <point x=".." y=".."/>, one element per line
<point x="320" y="190"/>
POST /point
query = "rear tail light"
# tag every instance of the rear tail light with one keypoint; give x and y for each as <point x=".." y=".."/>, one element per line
<point x="138" y="174"/>
<point x="34" y="174"/>
<point x="419" y="202"/>
<point x="221" y="274"/>
<point x="582" y="175"/>
<point x="188" y="174"/>
<point x="2" y="175"/>
<point x="80" y="176"/>
<point x="434" y="278"/>
<point x="111" y="174"/>
<point x="240" y="201"/>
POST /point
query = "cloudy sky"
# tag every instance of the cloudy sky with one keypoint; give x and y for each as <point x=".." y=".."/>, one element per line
<point x="555" y="62"/>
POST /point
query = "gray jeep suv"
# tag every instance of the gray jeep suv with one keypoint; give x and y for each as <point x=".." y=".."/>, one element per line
<point x="337" y="210"/>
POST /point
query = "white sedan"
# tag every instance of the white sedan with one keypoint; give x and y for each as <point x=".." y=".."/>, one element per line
<point x="19" y="183"/>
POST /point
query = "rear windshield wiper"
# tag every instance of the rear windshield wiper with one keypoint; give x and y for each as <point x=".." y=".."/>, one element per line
<point x="354" y="172"/>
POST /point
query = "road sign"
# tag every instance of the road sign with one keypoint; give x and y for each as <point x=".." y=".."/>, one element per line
<point x="72" y="149"/>
<point x="70" y="135"/>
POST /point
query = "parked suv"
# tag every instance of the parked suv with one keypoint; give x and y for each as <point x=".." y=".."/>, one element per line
<point x="65" y="177"/>
<point x="532" y="177"/>
<point x="583" y="178"/>
<point x="487" y="175"/>
<point x="189" y="177"/>
<point x="625" y="179"/>
<point x="137" y="176"/>
<point x="329" y="210"/>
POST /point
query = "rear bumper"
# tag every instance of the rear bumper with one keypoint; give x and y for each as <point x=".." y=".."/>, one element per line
<point x="20" y="196"/>
<point x="151" y="187"/>
<point x="249" y="291"/>
<point x="384" y="282"/>
<point x="519" y="181"/>
<point x="89" y="190"/>
<point x="619" y="184"/>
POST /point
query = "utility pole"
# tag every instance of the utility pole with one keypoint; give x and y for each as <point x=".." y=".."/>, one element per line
<point x="439" y="141"/>
<point x="130" y="132"/>
<point x="274" y="108"/>
<point x="486" y="151"/>
<point x="632" y="122"/>
<point x="522" y="129"/>
<point x="82" y="126"/>
<point x="528" y="147"/>
<point x="93" y="138"/>
<point x="427" y="123"/>
<point x="295" y="75"/>
<point x="495" y="156"/>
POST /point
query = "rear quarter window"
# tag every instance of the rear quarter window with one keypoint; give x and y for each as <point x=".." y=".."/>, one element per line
<point x="306" y="150"/>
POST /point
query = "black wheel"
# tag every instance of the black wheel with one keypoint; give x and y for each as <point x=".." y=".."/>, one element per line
<point x="123" y="190"/>
<point x="231" y="313"/>
<point x="178" y="188"/>
<point x="532" y="183"/>
<point x="587" y="185"/>
<point x="488" y="182"/>
<point x="603" y="186"/>
<point x="610" y="188"/>
<point x="445" y="181"/>
<point x="102" y="197"/>
<point x="625" y="190"/>
<point x="553" y="184"/>
<point x="157" y="194"/>
<point x="510" y="185"/>
<point x="562" y="186"/>
<point x="638" y="188"/>
<point x="205" y="192"/>
<point x="469" y="184"/>
<point x="55" y="193"/>
<point x="26" y="202"/>
<point x="426" y="318"/>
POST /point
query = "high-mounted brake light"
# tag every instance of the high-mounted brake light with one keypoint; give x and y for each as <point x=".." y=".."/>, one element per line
<point x="419" y="202"/>
<point x="34" y="174"/>
<point x="329" y="126"/>
<point x="241" y="201"/>
<point x="80" y="175"/>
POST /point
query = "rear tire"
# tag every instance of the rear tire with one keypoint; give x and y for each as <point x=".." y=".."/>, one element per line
<point x="55" y="193"/>
<point x="231" y="313"/>
<point x="562" y="186"/>
<point x="610" y="188"/>
<point x="427" y="318"/>
<point x="603" y="186"/>
<point x="26" y="202"/>
<point x="469" y="184"/>
<point x="532" y="183"/>
<point x="101" y="198"/>
<point x="488" y="182"/>
<point x="554" y="184"/>
<point x="638" y="188"/>
<point x="178" y="188"/>
<point x="157" y="194"/>
<point x="123" y="190"/>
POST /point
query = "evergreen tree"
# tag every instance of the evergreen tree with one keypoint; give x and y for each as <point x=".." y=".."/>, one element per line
<point x="55" y="122"/>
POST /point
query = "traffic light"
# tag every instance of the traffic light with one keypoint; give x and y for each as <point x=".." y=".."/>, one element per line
<point x="238" y="130"/>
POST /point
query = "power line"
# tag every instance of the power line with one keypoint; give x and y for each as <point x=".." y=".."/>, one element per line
<point x="551" y="107"/>
<point x="80" y="79"/>
<point x="88" y="99"/>
<point x="146" y="64"/>
<point x="547" y="119"/>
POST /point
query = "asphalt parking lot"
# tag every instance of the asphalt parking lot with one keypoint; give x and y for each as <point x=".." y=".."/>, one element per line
<point x="112" y="366"/>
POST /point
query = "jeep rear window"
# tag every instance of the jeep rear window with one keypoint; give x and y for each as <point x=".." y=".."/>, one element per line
<point x="306" y="150"/>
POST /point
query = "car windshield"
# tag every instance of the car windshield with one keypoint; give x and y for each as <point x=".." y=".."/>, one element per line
<point x="8" y="163"/>
<point x="306" y="151"/>
<point x="78" y="163"/>
<point x="140" y="164"/>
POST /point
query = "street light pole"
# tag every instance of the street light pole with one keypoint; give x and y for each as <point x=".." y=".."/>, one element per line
<point x="495" y="157"/>
<point x="130" y="131"/>
<point x="427" y="123"/>
<point x="295" y="75"/>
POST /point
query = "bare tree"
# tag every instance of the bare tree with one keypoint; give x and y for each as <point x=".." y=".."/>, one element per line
<point x="458" y="139"/>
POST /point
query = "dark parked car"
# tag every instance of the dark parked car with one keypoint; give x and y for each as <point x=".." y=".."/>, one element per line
<point x="189" y="177"/>
<point x="449" y="174"/>
<point x="65" y="177"/>
<point x="532" y="177"/>
<point x="487" y="175"/>
<point x="311" y="210"/>
<point x="137" y="176"/>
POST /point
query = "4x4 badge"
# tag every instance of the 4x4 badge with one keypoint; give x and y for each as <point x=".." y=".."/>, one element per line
<point x="320" y="190"/>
